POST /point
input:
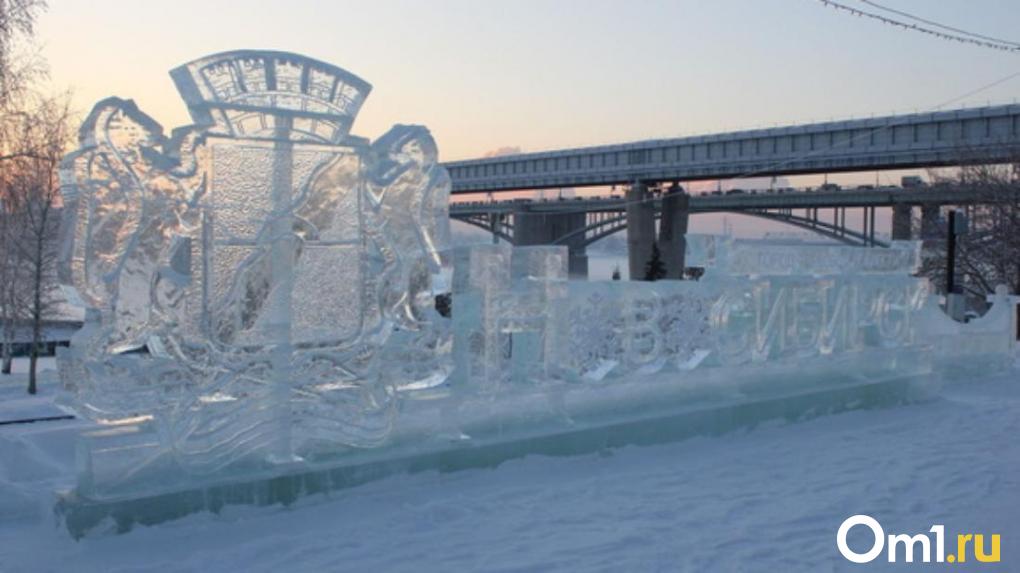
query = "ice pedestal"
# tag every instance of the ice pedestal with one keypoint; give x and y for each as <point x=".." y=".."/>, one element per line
<point x="587" y="418"/>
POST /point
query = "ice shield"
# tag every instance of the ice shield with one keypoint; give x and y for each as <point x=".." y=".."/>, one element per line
<point x="246" y="274"/>
<point x="286" y="260"/>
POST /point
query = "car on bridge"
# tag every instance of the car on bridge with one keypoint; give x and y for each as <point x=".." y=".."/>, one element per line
<point x="910" y="181"/>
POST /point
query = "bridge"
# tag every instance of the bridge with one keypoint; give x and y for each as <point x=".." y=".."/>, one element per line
<point x="577" y="223"/>
<point x="945" y="138"/>
<point x="919" y="140"/>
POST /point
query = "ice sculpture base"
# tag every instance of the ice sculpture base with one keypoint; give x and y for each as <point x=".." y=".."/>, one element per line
<point x="446" y="434"/>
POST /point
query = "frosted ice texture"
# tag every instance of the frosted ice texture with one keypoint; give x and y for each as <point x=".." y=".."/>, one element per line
<point x="762" y="258"/>
<point x="263" y="259"/>
<point x="481" y="275"/>
<point x="506" y="315"/>
<point x="819" y="301"/>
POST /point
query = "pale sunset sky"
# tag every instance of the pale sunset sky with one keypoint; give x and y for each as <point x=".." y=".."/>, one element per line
<point x="548" y="74"/>
<point x="536" y="75"/>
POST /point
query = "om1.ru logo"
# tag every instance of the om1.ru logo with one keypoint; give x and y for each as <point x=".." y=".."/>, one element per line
<point x="975" y="541"/>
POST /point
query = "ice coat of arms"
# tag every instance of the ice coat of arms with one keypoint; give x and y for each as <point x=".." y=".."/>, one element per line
<point x="261" y="283"/>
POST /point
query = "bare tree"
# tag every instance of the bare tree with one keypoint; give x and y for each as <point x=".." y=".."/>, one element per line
<point x="19" y="67"/>
<point x="20" y="156"/>
<point x="10" y="282"/>
<point x="989" y="253"/>
<point x="33" y="190"/>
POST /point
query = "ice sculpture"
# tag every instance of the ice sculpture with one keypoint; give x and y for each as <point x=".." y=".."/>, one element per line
<point x="263" y="292"/>
<point x="264" y="257"/>
<point x="757" y="303"/>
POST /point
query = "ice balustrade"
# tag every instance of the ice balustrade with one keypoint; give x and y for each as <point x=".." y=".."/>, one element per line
<point x="261" y="291"/>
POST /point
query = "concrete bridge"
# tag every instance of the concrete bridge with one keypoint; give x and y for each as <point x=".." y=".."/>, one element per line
<point x="580" y="222"/>
<point x="945" y="138"/>
<point x="935" y="139"/>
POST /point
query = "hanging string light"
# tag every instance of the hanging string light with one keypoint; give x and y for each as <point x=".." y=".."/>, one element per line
<point x="969" y="38"/>
<point x="938" y="25"/>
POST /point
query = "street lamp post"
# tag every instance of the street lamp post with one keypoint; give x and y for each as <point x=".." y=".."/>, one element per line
<point x="955" y="302"/>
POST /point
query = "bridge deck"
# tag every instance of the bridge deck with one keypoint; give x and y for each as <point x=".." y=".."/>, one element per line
<point x="882" y="197"/>
<point x="892" y="142"/>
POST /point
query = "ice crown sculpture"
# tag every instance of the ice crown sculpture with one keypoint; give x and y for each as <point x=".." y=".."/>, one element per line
<point x="271" y="94"/>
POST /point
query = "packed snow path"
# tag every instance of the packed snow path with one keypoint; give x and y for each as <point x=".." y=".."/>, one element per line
<point x="769" y="499"/>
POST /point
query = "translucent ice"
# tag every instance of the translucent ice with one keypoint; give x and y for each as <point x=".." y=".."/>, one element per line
<point x="263" y="258"/>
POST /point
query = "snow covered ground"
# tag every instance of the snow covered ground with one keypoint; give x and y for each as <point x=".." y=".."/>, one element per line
<point x="768" y="499"/>
<point x="20" y="366"/>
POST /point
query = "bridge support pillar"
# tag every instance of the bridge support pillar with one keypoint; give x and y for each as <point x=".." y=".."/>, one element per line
<point x="640" y="229"/>
<point x="578" y="263"/>
<point x="673" y="230"/>
<point x="929" y="222"/>
<point x="494" y="227"/>
<point x="902" y="219"/>
<point x="547" y="229"/>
